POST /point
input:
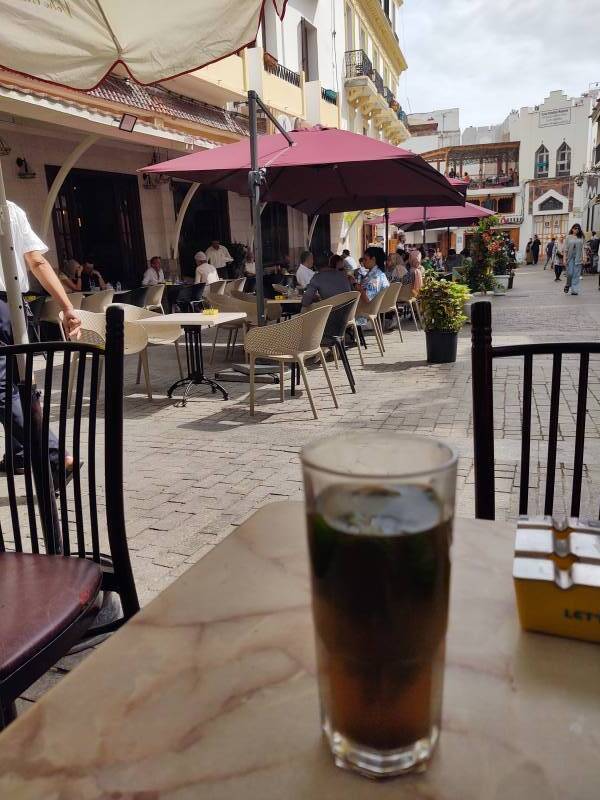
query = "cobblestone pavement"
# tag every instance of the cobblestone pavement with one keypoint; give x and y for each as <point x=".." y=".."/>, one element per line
<point x="194" y="473"/>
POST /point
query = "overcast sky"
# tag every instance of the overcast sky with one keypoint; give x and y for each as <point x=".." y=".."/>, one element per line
<point x="487" y="57"/>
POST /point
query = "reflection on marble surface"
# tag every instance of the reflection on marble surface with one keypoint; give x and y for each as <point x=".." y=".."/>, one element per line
<point x="210" y="692"/>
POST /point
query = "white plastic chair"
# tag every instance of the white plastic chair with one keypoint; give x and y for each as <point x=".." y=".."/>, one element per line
<point x="52" y="312"/>
<point x="98" y="301"/>
<point x="163" y="335"/>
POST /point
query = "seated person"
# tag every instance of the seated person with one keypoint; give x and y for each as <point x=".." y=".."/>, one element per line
<point x="328" y="282"/>
<point x="305" y="272"/>
<point x="70" y="277"/>
<point x="154" y="274"/>
<point x="90" y="277"/>
<point x="349" y="262"/>
<point x="205" y="272"/>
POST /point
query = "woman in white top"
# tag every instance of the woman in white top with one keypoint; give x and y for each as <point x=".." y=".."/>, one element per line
<point x="574" y="258"/>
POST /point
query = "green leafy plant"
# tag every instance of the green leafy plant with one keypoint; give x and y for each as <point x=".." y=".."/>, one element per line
<point x="442" y="304"/>
<point x="486" y="248"/>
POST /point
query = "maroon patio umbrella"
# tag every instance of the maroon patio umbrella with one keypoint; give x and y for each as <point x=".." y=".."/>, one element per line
<point x="324" y="170"/>
<point x="413" y="219"/>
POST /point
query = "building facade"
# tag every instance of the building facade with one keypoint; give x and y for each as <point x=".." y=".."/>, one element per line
<point x="71" y="162"/>
<point x="433" y="129"/>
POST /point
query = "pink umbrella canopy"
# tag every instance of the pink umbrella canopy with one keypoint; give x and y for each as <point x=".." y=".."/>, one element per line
<point x="325" y="170"/>
<point x="439" y="217"/>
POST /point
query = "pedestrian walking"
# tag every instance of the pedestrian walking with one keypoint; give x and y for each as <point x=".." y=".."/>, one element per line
<point x="558" y="257"/>
<point x="528" y="252"/>
<point x="535" y="248"/>
<point x="549" y="250"/>
<point x="574" y="245"/>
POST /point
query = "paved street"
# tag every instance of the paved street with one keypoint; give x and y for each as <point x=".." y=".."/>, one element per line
<point x="194" y="473"/>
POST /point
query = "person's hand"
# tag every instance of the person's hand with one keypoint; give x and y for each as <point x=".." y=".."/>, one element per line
<point x="72" y="324"/>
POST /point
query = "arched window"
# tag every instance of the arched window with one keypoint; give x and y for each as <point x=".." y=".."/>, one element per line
<point x="542" y="162"/>
<point x="563" y="161"/>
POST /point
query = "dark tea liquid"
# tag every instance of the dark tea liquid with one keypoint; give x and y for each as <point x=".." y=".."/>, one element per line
<point x="380" y="577"/>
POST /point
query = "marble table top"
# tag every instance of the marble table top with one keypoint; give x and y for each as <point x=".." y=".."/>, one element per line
<point x="189" y="320"/>
<point x="210" y="692"/>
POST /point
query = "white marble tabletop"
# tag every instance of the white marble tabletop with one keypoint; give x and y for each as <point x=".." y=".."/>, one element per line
<point x="194" y="319"/>
<point x="210" y="692"/>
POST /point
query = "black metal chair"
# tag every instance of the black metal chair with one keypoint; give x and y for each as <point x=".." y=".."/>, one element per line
<point x="335" y="333"/>
<point x="483" y="353"/>
<point x="189" y="297"/>
<point x="55" y="557"/>
<point x="134" y="297"/>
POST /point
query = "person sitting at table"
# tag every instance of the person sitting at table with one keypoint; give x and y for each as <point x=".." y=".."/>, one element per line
<point x="70" y="277"/>
<point x="399" y="266"/>
<point x="90" y="277"/>
<point x="154" y="274"/>
<point x="349" y="262"/>
<point x="337" y="262"/>
<point x="414" y="274"/>
<point x="305" y="272"/>
<point x="327" y="282"/>
<point x="205" y="272"/>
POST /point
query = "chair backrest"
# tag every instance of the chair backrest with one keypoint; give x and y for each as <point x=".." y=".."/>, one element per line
<point x="226" y="304"/>
<point x="390" y="298"/>
<point x="313" y="325"/>
<point x="372" y="307"/>
<point x="483" y="354"/>
<point x="154" y="294"/>
<point x="137" y="297"/>
<point x="335" y="300"/>
<point x="51" y="310"/>
<point x="34" y="520"/>
<point x="217" y="287"/>
<point x="406" y="293"/>
<point x="236" y="285"/>
<point x="301" y="334"/>
<point x="98" y="301"/>
<point x="339" y="319"/>
<point x="93" y="328"/>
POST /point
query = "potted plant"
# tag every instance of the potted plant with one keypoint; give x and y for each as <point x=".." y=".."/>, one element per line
<point x="478" y="269"/>
<point x="442" y="310"/>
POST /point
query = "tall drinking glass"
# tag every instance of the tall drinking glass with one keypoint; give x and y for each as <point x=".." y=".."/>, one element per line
<point x="380" y="508"/>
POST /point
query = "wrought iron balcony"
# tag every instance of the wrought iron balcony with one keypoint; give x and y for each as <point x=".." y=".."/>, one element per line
<point x="358" y="64"/>
<point x="389" y="95"/>
<point x="329" y="96"/>
<point x="402" y="116"/>
<point x="378" y="81"/>
<point x="283" y="72"/>
<point x="597" y="154"/>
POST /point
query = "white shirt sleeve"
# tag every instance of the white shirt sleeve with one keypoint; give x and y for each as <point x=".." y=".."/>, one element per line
<point x="228" y="256"/>
<point x="28" y="238"/>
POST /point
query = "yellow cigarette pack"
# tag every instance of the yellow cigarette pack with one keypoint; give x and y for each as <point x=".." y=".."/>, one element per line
<point x="556" y="571"/>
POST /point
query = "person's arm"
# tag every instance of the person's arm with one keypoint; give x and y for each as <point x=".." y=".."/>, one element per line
<point x="74" y="286"/>
<point x="147" y="278"/>
<point x="101" y="282"/>
<point x="228" y="256"/>
<point x="311" y="293"/>
<point x="41" y="269"/>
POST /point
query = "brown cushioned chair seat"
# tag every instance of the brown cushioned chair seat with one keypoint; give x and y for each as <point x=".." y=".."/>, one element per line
<point x="40" y="596"/>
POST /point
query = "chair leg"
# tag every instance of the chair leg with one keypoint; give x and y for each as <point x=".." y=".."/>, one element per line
<point x="380" y="329"/>
<point x="302" y="369"/>
<point x="178" y="354"/>
<point x="139" y="370"/>
<point x="73" y="373"/>
<point x="357" y="333"/>
<point x="361" y="336"/>
<point x="335" y="356"/>
<point x="399" y="325"/>
<point x="412" y="311"/>
<point x="212" y="352"/>
<point x="346" y="365"/>
<point x="416" y="305"/>
<point x="144" y="358"/>
<point x="376" y="332"/>
<point x="329" y="383"/>
<point x="234" y="343"/>
<point x="252" y="386"/>
<point x="227" y="348"/>
<point x="281" y="386"/>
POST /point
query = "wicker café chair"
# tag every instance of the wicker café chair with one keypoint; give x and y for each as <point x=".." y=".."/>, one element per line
<point x="292" y="341"/>
<point x="93" y="331"/>
<point x="163" y="335"/>
<point x="389" y="305"/>
<point x="236" y="285"/>
<point x="154" y="298"/>
<point x="408" y="298"/>
<point x="98" y="302"/>
<point x="370" y="310"/>
<point x="52" y="313"/>
<point x="228" y="304"/>
<point x="338" y="300"/>
<point x="217" y="287"/>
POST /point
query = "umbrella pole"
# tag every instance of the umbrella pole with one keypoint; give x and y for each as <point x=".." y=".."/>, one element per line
<point x="254" y="179"/>
<point x="448" y="242"/>
<point x="11" y="275"/>
<point x="386" y="214"/>
<point x="424" y="225"/>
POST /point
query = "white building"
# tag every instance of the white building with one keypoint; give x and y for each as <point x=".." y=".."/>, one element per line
<point x="433" y="129"/>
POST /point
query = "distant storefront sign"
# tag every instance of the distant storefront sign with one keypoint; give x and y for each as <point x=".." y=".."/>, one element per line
<point x="555" y="116"/>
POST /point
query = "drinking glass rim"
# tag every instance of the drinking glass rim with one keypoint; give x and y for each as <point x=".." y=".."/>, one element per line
<point x="307" y="462"/>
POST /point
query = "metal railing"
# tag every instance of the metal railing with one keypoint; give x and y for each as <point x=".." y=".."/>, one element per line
<point x="378" y="81"/>
<point x="597" y="154"/>
<point x="402" y="116"/>
<point x="284" y="73"/>
<point x="358" y="64"/>
<point x="486" y="181"/>
<point x="389" y="95"/>
<point x="329" y="96"/>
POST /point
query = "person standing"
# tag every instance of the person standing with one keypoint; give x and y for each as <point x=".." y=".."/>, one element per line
<point x="535" y="248"/>
<point x="528" y="252"/>
<point x="29" y="251"/>
<point x="574" y="245"/>
<point x="558" y="257"/>
<point x="219" y="257"/>
<point x="594" y="244"/>
<point x="549" y="250"/>
<point x="154" y="274"/>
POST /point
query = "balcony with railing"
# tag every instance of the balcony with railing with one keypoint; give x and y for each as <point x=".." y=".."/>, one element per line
<point x="378" y="81"/>
<point x="284" y="73"/>
<point x="329" y="96"/>
<point x="358" y="64"/>
<point x="597" y="154"/>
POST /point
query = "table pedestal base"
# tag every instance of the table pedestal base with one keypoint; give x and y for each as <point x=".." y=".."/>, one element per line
<point x="195" y="367"/>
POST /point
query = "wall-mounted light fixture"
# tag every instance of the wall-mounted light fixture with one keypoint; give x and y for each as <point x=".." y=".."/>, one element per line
<point x="127" y="123"/>
<point x="23" y="169"/>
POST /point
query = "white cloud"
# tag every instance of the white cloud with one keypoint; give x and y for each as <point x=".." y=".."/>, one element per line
<point x="488" y="58"/>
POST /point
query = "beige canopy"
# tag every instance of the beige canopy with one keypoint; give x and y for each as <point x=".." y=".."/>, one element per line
<point x="77" y="42"/>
